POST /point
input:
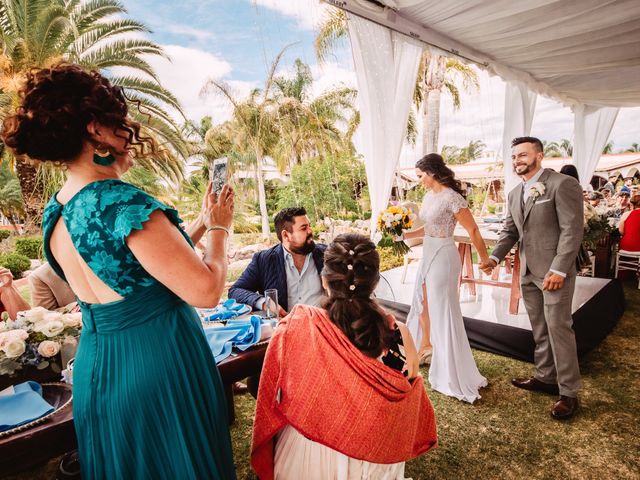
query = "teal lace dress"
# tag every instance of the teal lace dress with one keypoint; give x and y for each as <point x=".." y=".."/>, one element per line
<point x="148" y="400"/>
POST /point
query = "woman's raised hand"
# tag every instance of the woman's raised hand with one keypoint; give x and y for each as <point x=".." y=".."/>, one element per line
<point x="217" y="210"/>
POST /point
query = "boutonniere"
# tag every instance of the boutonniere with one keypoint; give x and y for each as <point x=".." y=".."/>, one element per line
<point x="536" y="190"/>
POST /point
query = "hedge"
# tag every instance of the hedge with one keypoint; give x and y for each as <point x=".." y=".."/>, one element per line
<point x="30" y="247"/>
<point x="16" y="263"/>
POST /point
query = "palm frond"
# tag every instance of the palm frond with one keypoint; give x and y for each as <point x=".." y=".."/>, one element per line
<point x="333" y="30"/>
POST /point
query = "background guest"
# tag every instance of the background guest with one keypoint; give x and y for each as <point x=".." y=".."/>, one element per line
<point x="622" y="203"/>
<point x="48" y="290"/>
<point x="570" y="170"/>
<point x="292" y="267"/>
<point x="629" y="227"/>
<point x="10" y="299"/>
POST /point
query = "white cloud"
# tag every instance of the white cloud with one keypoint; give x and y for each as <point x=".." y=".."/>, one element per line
<point x="331" y="75"/>
<point x="188" y="31"/>
<point x="186" y="74"/>
<point x="308" y="13"/>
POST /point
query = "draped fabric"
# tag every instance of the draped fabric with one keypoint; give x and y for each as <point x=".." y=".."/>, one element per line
<point x="519" y="107"/>
<point x="592" y="126"/>
<point x="386" y="66"/>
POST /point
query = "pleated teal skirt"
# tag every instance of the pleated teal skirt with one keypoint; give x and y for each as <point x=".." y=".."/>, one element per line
<point x="148" y="401"/>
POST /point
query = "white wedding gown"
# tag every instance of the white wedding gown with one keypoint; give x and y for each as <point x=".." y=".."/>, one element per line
<point x="453" y="369"/>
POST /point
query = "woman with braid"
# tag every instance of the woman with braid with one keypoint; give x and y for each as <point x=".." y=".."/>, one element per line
<point x="340" y="392"/>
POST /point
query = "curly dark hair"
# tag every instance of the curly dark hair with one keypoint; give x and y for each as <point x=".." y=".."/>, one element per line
<point x="56" y="106"/>
<point x="433" y="164"/>
<point x="351" y="269"/>
<point x="285" y="219"/>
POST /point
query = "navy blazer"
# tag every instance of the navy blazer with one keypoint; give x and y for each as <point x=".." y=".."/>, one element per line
<point x="267" y="270"/>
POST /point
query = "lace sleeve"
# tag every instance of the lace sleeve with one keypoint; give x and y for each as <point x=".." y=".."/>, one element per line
<point x="457" y="202"/>
<point x="127" y="208"/>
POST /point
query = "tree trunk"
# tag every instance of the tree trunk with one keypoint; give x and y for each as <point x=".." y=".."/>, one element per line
<point x="434" y="81"/>
<point x="32" y="195"/>
<point x="262" y="197"/>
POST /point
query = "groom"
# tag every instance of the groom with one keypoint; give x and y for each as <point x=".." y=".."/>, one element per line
<point x="546" y="218"/>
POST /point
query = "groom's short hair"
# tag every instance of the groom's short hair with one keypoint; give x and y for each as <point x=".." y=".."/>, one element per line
<point x="536" y="142"/>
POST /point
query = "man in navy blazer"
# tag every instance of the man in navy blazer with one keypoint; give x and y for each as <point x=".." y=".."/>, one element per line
<point x="292" y="267"/>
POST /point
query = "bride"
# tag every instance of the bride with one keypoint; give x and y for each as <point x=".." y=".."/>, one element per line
<point x="435" y="318"/>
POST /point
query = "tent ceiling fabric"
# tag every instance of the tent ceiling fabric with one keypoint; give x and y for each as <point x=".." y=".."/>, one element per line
<point x="578" y="51"/>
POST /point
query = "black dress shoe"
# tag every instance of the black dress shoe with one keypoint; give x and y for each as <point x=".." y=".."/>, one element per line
<point x="536" y="385"/>
<point x="564" y="408"/>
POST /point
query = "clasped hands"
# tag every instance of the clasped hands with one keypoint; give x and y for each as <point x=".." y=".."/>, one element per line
<point x="552" y="281"/>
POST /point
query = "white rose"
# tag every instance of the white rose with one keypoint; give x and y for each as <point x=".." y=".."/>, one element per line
<point x="14" y="347"/>
<point x="35" y="315"/>
<point x="48" y="348"/>
<point x="53" y="328"/>
<point x="72" y="319"/>
<point x="51" y="316"/>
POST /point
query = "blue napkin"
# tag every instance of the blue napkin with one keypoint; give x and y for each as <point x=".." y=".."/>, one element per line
<point x="226" y="310"/>
<point x="241" y="333"/>
<point x="23" y="406"/>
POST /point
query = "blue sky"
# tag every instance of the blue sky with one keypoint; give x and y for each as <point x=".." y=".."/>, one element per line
<point x="236" y="41"/>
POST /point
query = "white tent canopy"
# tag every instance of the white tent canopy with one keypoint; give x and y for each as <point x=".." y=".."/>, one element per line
<point x="583" y="53"/>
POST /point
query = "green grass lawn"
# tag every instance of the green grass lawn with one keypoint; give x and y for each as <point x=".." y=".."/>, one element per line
<point x="509" y="432"/>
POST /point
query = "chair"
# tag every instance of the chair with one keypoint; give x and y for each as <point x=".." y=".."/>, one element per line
<point x="411" y="256"/>
<point x="626" y="260"/>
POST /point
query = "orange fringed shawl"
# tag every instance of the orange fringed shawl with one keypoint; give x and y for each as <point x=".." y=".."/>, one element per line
<point x="317" y="381"/>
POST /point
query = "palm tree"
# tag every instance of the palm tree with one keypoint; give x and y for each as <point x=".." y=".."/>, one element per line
<point x="454" y="155"/>
<point x="566" y="147"/>
<point x="551" y="149"/>
<point x="635" y="147"/>
<point x="11" y="206"/>
<point x="435" y="74"/>
<point x="255" y="130"/>
<point x="608" y="148"/>
<point x="96" y="35"/>
<point x="310" y="127"/>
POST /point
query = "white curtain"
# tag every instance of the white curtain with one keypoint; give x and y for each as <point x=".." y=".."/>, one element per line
<point x="519" y="107"/>
<point x="591" y="129"/>
<point x="386" y="65"/>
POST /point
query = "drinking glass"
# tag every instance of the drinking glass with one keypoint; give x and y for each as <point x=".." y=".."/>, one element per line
<point x="271" y="303"/>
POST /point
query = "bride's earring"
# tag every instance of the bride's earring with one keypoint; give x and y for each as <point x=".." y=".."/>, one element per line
<point x="103" y="157"/>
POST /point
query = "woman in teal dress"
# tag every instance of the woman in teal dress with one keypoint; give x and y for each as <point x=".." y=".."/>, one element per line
<point x="148" y="400"/>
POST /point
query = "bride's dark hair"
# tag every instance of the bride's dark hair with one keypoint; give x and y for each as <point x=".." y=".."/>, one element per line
<point x="433" y="165"/>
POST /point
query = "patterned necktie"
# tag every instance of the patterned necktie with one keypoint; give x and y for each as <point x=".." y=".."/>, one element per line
<point x="522" y="196"/>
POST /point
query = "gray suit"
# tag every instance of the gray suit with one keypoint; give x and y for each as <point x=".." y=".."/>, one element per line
<point x="549" y="231"/>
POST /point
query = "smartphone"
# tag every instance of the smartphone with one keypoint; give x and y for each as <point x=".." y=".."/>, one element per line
<point x="218" y="174"/>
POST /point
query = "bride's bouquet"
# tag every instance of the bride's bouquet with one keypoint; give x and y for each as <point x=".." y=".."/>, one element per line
<point x="391" y="223"/>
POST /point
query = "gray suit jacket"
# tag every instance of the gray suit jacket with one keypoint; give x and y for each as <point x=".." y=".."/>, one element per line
<point x="550" y="228"/>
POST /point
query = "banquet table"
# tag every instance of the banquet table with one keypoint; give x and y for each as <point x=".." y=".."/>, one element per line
<point x="512" y="264"/>
<point x="29" y="448"/>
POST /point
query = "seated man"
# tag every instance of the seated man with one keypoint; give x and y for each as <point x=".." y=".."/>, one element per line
<point x="48" y="290"/>
<point x="10" y="298"/>
<point x="292" y="267"/>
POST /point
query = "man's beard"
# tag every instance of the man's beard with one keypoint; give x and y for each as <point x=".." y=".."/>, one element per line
<point x="524" y="172"/>
<point x="304" y="249"/>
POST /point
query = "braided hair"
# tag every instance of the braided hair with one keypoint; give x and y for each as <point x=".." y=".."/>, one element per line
<point x="433" y="164"/>
<point x="352" y="270"/>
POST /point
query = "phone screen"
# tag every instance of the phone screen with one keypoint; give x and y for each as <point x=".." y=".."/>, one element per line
<point x="218" y="174"/>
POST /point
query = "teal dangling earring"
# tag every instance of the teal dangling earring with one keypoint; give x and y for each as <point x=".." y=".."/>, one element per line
<point x="103" y="157"/>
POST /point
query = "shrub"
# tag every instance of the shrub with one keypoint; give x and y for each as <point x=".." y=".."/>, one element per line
<point x="4" y="234"/>
<point x="388" y="259"/>
<point x="30" y="247"/>
<point x="16" y="263"/>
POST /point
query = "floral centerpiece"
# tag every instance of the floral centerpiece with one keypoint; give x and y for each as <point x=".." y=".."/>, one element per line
<point x="597" y="226"/>
<point x="391" y="223"/>
<point x="36" y="337"/>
